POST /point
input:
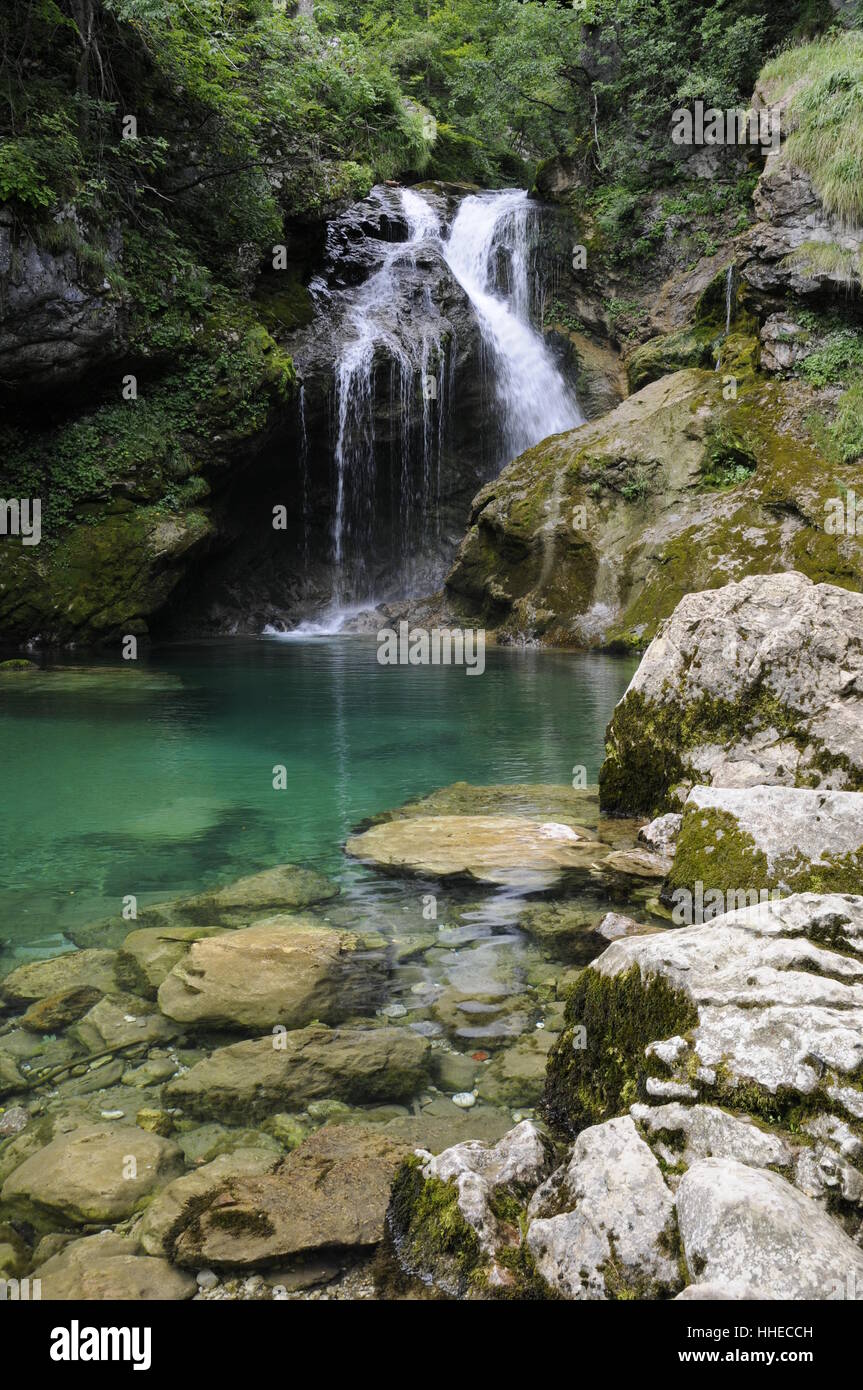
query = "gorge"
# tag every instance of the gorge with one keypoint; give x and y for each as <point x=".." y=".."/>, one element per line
<point x="347" y="351"/>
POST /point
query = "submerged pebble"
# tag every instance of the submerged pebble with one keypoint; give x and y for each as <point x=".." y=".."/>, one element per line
<point x="464" y="1099"/>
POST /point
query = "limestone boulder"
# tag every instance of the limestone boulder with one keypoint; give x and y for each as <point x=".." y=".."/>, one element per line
<point x="756" y="683"/>
<point x="284" y="971"/>
<point x="603" y="1224"/>
<point x="749" y="841"/>
<point x="765" y="1001"/>
<point x="748" y="1225"/>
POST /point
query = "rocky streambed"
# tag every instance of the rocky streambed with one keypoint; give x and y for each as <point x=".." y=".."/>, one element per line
<point x="519" y="1078"/>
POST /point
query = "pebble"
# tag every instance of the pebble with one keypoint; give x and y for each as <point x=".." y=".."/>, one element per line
<point x="392" y="1011"/>
<point x="206" y="1279"/>
<point x="112" y="1114"/>
<point x="464" y="1099"/>
<point x="13" y="1120"/>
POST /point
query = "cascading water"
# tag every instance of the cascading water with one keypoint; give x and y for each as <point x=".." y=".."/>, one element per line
<point x="377" y="333"/>
<point x="397" y="363"/>
<point x="533" y="397"/>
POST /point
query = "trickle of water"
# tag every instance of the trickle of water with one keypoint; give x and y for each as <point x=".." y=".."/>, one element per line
<point x="304" y="477"/>
<point x="534" y="398"/>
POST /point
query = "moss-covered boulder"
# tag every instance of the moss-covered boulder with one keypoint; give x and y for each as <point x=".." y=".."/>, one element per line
<point x="756" y="682"/>
<point x="594" y="536"/>
<point x="760" y="1010"/>
<point x="739" y="844"/>
<point x="456" y="1217"/>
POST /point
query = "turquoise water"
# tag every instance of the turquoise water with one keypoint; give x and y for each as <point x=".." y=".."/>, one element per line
<point x="157" y="778"/>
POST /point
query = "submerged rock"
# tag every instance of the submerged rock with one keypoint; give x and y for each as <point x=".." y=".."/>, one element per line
<point x="757" y="683"/>
<point x="284" y="971"/>
<point x="283" y="888"/>
<point x="251" y="1080"/>
<point x="490" y="849"/>
<point x="174" y="1207"/>
<point x="109" y="1266"/>
<point x="329" y="1194"/>
<point x="43" y="979"/>
<point x="98" y="1173"/>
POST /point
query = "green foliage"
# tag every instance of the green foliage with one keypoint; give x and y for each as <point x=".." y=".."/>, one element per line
<point x="644" y="58"/>
<point x="837" y="360"/>
<point x="729" y="460"/>
<point x="824" y="85"/>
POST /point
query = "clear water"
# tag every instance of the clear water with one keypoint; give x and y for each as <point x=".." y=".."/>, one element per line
<point x="157" y="779"/>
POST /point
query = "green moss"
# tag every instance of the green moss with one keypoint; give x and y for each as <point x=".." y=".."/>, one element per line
<point x="18" y="663"/>
<point x="647" y="745"/>
<point x="430" y="1233"/>
<point x="242" y="1221"/>
<point x="713" y="850"/>
<point x="528" y="1284"/>
<point x="620" y="1016"/>
<point x="688" y="347"/>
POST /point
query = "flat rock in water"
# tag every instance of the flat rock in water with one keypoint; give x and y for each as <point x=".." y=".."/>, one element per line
<point x="42" y="978"/>
<point x="490" y="849"/>
<point x="285" y="971"/>
<point x="251" y="1080"/>
<point x="110" y="1267"/>
<point x="330" y="1193"/>
<point x="283" y="888"/>
<point x="543" y="801"/>
<point x="171" y="1208"/>
<point x="87" y="1175"/>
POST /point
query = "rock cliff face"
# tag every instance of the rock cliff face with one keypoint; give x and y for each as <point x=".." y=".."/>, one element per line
<point x="593" y="537"/>
<point x="59" y="321"/>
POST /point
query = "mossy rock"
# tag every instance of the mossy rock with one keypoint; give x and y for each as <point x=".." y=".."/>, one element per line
<point x="593" y="537"/>
<point x="597" y="1066"/>
<point x="687" y="347"/>
<point x="18" y="663"/>
<point x="430" y="1233"/>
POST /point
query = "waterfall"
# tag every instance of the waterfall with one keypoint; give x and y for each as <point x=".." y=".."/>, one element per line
<point x="376" y="334"/>
<point x="398" y="355"/>
<point x="304" y="476"/>
<point x="533" y="397"/>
